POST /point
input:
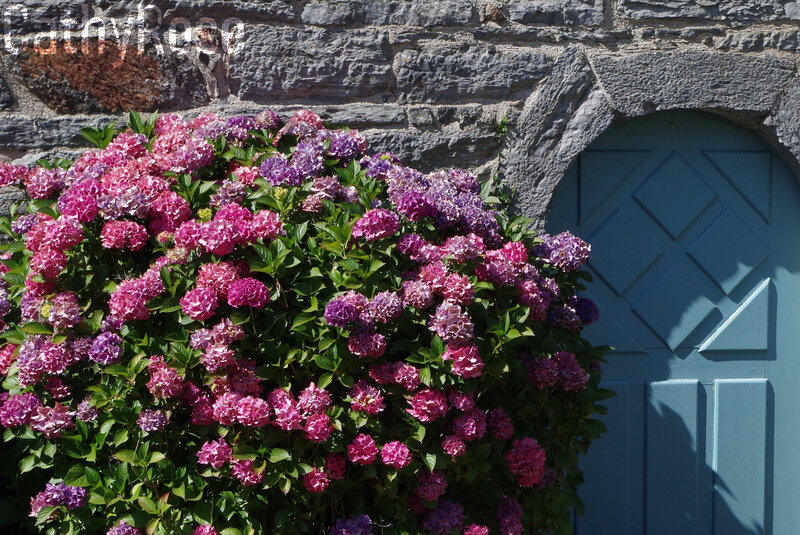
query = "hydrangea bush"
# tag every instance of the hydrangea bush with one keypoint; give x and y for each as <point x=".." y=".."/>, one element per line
<point x="250" y="326"/>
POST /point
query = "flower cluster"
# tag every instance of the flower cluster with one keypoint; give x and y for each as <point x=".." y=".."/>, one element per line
<point x="239" y="324"/>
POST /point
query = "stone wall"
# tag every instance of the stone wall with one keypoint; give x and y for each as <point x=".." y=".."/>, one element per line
<point x="430" y="80"/>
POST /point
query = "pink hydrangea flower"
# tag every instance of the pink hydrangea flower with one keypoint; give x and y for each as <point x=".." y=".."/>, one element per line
<point x="200" y="303"/>
<point x="318" y="427"/>
<point x="206" y="529"/>
<point x="220" y="277"/>
<point x="366" y="398"/>
<point x="335" y="466"/>
<point x="475" y="529"/>
<point x="313" y="400"/>
<point x="499" y="424"/>
<point x="466" y="360"/>
<point x="225" y="408"/>
<point x="526" y="461"/>
<point x="396" y="454"/>
<point x="363" y="449"/>
<point x="248" y="292"/>
<point x="215" y="453"/>
<point x="123" y="235"/>
<point x="453" y="446"/>
<point x="316" y="481"/>
<point x="470" y="425"/>
<point x="252" y="411"/>
<point x="431" y="485"/>
<point x="428" y="405"/>
<point x="244" y="471"/>
<point x="165" y="382"/>
<point x="376" y="224"/>
<point x="287" y="416"/>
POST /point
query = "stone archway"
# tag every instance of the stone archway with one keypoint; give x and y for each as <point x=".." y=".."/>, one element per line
<point x="584" y="95"/>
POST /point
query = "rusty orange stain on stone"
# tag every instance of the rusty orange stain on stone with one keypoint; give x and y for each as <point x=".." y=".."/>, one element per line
<point x="117" y="77"/>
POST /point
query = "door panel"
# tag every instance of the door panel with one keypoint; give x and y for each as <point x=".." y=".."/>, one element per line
<point x="696" y="268"/>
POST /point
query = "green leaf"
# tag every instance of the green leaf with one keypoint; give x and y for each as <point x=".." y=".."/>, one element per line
<point x="44" y="514"/>
<point x="126" y="456"/>
<point x="156" y="456"/>
<point x="34" y="327"/>
<point x="135" y="122"/>
<point x="147" y="505"/>
<point x="430" y="461"/>
<point x="76" y="476"/>
<point x="27" y="464"/>
<point x="278" y="454"/>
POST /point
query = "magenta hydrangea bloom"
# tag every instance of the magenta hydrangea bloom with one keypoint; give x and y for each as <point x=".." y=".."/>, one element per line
<point x="244" y="471"/>
<point x="200" y="303"/>
<point x="396" y="454"/>
<point x="363" y="450"/>
<point x="215" y="453"/>
<point x="316" y="481"/>
<point x="366" y="398"/>
<point x="17" y="410"/>
<point x="431" y="485"/>
<point x="466" y="360"/>
<point x="365" y="342"/>
<point x="476" y="529"/>
<point x="428" y="405"/>
<point x="318" y="427"/>
<point x="376" y="224"/>
<point x="526" y="461"/>
<point x="52" y="421"/>
<point x="248" y="292"/>
<point x="571" y="376"/>
<point x="205" y="529"/>
<point x="253" y="412"/>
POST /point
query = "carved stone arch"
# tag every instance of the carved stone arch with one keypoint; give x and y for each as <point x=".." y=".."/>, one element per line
<point x="584" y="95"/>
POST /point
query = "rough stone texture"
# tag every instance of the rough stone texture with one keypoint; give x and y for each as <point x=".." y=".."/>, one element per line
<point x="643" y="83"/>
<point x="6" y="100"/>
<point x="105" y="78"/>
<point x="586" y="12"/>
<point x="443" y="71"/>
<point x="734" y="10"/>
<point x="383" y="12"/>
<point x="306" y="65"/>
<point x="557" y="122"/>
<point x="8" y="196"/>
<point x="783" y="125"/>
<point x="428" y="80"/>
<point x="21" y="131"/>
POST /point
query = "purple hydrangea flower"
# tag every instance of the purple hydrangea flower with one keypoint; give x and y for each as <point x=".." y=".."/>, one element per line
<point x="447" y="517"/>
<point x="340" y="312"/>
<point x="356" y="525"/>
<point x="123" y="528"/>
<point x="452" y="324"/>
<point x="585" y="308"/>
<point x="343" y="145"/>
<point x="565" y="251"/>
<point x="17" y="410"/>
<point x="106" y="348"/>
<point x="268" y="120"/>
<point x="278" y="171"/>
<point x="385" y="307"/>
<point x="150" y="420"/>
<point x="24" y="223"/>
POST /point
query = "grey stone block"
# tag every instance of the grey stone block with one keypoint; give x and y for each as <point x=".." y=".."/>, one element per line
<point x="285" y="64"/>
<point x="9" y="195"/>
<point x="418" y="12"/>
<point x="332" y="12"/>
<point x="559" y="12"/>
<point x="445" y="72"/>
<point x="785" y="124"/>
<point x="435" y="149"/>
<point x="25" y="133"/>
<point x="6" y="100"/>
<point x="557" y="122"/>
<point x="641" y="83"/>
<point x="734" y="10"/>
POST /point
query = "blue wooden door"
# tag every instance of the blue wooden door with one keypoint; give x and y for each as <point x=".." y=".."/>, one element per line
<point x="695" y="230"/>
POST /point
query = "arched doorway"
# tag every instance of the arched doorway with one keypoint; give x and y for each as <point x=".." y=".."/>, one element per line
<point x="692" y="220"/>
